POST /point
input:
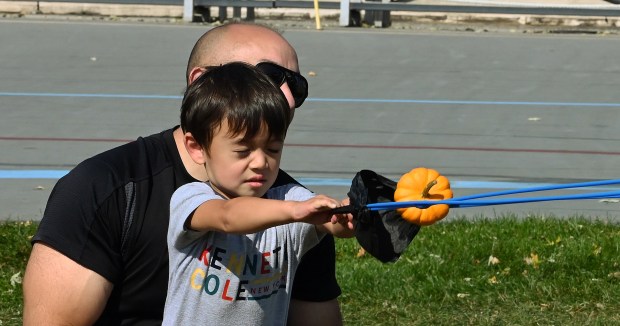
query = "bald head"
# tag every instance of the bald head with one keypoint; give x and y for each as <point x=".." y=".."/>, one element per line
<point x="246" y="42"/>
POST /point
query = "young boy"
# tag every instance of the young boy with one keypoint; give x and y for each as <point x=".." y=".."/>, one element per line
<point x="234" y="243"/>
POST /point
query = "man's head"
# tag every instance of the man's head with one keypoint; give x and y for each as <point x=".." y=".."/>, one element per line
<point x="235" y="120"/>
<point x="253" y="44"/>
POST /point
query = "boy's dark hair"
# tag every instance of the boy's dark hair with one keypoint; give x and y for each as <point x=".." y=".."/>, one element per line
<point x="239" y="93"/>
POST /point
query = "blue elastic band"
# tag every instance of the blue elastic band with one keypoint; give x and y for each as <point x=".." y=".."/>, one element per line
<point x="474" y="201"/>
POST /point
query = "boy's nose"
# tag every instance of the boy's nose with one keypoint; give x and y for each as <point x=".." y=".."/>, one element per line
<point x="259" y="161"/>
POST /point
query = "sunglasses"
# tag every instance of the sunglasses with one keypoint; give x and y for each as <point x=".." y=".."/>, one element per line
<point x="280" y="75"/>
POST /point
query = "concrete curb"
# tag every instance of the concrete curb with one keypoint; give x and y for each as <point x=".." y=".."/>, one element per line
<point x="171" y="13"/>
<point x="97" y="9"/>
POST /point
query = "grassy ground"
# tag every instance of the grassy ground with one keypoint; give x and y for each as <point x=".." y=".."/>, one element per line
<point x="501" y="272"/>
<point x="14" y="250"/>
<point x="487" y="272"/>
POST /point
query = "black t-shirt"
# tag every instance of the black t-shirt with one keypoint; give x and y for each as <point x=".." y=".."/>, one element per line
<point x="110" y="215"/>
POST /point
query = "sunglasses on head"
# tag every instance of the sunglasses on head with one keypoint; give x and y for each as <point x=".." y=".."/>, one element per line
<point x="280" y="75"/>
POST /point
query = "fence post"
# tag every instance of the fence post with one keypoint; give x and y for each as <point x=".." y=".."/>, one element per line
<point x="344" y="13"/>
<point x="188" y="11"/>
<point x="349" y="17"/>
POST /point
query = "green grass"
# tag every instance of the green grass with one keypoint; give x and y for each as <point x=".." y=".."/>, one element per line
<point x="545" y="272"/>
<point x="14" y="251"/>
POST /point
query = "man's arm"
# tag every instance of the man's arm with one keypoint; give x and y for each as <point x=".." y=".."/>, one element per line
<point x="59" y="291"/>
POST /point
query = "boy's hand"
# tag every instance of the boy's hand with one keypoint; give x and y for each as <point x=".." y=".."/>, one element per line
<point x="315" y="210"/>
<point x="345" y="219"/>
<point x="318" y="211"/>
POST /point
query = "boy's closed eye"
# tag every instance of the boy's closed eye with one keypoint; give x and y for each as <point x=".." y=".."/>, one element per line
<point x="274" y="150"/>
<point x="242" y="151"/>
<point x="275" y="147"/>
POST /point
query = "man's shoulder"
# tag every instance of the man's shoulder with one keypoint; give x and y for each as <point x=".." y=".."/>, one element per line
<point x="135" y="160"/>
<point x="148" y="147"/>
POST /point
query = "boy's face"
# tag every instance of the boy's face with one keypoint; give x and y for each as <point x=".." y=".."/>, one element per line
<point x="237" y="168"/>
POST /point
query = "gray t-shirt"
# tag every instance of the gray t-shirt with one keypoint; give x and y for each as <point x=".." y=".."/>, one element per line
<point x="217" y="278"/>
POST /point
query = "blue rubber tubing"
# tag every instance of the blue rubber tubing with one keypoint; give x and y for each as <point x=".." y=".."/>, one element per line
<point x="474" y="201"/>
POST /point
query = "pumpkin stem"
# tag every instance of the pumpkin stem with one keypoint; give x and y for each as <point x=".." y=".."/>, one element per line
<point x="428" y="188"/>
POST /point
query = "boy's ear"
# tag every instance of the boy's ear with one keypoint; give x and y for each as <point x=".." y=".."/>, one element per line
<point x="194" y="149"/>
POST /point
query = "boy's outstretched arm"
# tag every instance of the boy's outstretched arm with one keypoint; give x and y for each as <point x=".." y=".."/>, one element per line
<point x="231" y="216"/>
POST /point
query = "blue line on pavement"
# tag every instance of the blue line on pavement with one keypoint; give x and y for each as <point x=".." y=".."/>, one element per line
<point x="32" y="174"/>
<point x="92" y="95"/>
<point x="346" y="100"/>
<point x="325" y="182"/>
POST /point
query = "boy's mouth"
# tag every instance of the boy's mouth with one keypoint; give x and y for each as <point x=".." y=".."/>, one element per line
<point x="256" y="181"/>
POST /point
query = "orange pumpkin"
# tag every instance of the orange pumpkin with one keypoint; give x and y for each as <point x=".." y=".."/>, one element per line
<point x="423" y="184"/>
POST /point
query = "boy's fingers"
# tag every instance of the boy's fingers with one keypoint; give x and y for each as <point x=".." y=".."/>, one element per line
<point x="327" y="201"/>
<point x="340" y="218"/>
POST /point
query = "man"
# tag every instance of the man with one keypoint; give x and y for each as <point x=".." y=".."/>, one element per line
<point x="99" y="256"/>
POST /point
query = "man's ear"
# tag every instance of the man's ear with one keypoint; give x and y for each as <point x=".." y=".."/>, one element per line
<point x="194" y="149"/>
<point x="194" y="74"/>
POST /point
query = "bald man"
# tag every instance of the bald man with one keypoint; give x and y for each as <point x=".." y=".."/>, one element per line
<point x="99" y="255"/>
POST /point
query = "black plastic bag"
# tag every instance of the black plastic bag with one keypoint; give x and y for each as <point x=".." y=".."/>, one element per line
<point x="384" y="234"/>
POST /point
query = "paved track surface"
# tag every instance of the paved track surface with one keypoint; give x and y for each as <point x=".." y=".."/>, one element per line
<point x="485" y="109"/>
